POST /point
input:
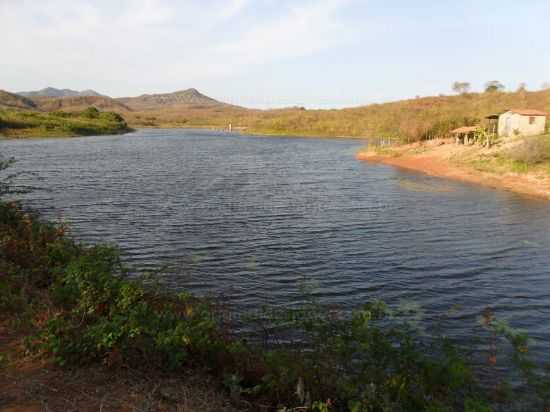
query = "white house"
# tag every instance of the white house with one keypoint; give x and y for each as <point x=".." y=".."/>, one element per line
<point x="521" y="122"/>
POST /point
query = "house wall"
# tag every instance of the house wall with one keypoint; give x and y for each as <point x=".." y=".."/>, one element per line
<point x="509" y="122"/>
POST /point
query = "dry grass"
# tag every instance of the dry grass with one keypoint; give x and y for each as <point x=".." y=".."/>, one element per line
<point x="532" y="150"/>
<point x="408" y="119"/>
<point x="528" y="155"/>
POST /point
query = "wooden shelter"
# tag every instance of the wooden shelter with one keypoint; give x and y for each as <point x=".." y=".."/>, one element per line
<point x="464" y="134"/>
<point x="492" y="123"/>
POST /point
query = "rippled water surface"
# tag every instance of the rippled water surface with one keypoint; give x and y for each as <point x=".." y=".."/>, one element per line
<point x="249" y="217"/>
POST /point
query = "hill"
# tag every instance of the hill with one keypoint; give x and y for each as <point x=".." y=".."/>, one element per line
<point x="409" y="120"/>
<point x="79" y="103"/>
<point x="53" y="92"/>
<point x="26" y="123"/>
<point x="11" y="100"/>
<point x="189" y="97"/>
<point x="412" y="119"/>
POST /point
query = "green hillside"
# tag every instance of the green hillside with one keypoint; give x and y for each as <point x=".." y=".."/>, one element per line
<point x="23" y="123"/>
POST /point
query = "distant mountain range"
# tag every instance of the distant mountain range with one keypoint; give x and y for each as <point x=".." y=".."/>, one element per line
<point x="78" y="103"/>
<point x="12" y="100"/>
<point x="50" y="99"/>
<point x="68" y="103"/>
<point x="53" y="92"/>
<point x="411" y="118"/>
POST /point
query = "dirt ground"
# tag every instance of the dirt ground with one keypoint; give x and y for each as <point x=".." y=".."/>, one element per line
<point x="441" y="158"/>
<point x="30" y="384"/>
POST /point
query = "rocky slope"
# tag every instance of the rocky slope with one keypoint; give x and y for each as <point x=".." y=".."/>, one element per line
<point x="189" y="97"/>
<point x="79" y="103"/>
<point x="53" y="92"/>
<point x="11" y="100"/>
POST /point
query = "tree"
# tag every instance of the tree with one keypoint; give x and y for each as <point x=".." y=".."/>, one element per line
<point x="91" y="113"/>
<point x="461" y="87"/>
<point x="546" y="86"/>
<point x="493" y="86"/>
<point x="522" y="87"/>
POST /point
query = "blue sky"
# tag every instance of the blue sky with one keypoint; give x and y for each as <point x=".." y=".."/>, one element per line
<point x="272" y="53"/>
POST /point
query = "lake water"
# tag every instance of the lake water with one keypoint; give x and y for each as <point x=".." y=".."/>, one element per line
<point x="249" y="217"/>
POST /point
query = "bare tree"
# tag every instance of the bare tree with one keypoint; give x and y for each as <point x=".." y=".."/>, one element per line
<point x="522" y="87"/>
<point x="461" y="87"/>
<point x="494" y="86"/>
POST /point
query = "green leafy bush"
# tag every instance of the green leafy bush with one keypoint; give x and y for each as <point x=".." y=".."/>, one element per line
<point x="112" y="117"/>
<point x="85" y="309"/>
<point x="105" y="316"/>
<point x="91" y="113"/>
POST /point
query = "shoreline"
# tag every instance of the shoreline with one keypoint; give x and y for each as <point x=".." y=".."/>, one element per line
<point x="62" y="136"/>
<point x="78" y="350"/>
<point x="247" y="132"/>
<point x="136" y="128"/>
<point x="433" y="163"/>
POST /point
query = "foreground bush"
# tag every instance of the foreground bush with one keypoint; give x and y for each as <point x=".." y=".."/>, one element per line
<point x="84" y="309"/>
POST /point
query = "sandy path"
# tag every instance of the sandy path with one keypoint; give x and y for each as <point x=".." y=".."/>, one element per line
<point x="435" y="162"/>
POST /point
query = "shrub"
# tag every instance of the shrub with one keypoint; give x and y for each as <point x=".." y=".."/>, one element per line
<point x="61" y="113"/>
<point x="105" y="314"/>
<point x="361" y="366"/>
<point x="91" y="113"/>
<point x="112" y="117"/>
<point x="532" y="150"/>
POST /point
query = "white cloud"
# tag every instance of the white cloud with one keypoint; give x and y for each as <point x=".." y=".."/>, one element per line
<point x="145" y="45"/>
<point x="303" y="30"/>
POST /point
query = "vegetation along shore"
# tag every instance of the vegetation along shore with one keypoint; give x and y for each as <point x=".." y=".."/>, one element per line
<point x="406" y="120"/>
<point x="520" y="164"/>
<point x="22" y="117"/>
<point x="77" y="333"/>
<point x="273" y="241"/>
<point x="25" y="124"/>
<point x="419" y="129"/>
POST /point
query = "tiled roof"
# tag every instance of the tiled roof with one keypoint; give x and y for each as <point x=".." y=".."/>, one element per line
<point x="528" y="112"/>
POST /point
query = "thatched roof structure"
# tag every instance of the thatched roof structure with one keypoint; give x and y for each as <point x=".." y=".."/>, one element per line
<point x="465" y="130"/>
